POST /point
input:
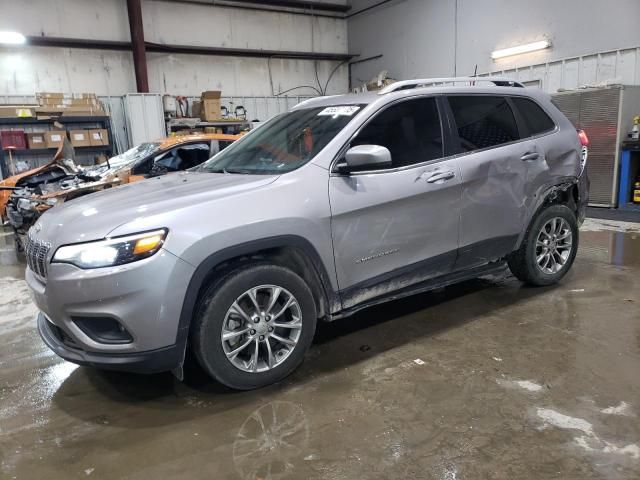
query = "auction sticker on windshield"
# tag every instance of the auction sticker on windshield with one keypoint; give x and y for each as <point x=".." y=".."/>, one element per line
<point x="345" y="110"/>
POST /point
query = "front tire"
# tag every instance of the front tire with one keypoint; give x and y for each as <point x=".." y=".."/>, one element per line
<point x="548" y="249"/>
<point x="253" y="327"/>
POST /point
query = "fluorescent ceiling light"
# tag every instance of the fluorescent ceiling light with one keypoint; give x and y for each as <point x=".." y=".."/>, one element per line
<point x="529" y="47"/>
<point x="12" y="38"/>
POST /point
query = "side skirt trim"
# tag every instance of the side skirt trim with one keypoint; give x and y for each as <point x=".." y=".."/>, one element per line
<point x="431" y="284"/>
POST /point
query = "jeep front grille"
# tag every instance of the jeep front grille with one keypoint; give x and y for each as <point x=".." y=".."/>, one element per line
<point x="37" y="252"/>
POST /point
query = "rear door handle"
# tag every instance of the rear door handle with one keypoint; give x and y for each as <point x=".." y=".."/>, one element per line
<point x="530" y="156"/>
<point x="441" y="177"/>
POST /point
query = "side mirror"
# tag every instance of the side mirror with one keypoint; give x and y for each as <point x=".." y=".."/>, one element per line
<point x="365" y="157"/>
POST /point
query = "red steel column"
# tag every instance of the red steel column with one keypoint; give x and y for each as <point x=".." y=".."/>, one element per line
<point x="137" y="44"/>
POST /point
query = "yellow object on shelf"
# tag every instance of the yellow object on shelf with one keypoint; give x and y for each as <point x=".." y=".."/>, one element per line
<point x="636" y="192"/>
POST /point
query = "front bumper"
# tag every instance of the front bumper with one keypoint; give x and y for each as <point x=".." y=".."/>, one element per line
<point x="144" y="297"/>
<point x="154" y="361"/>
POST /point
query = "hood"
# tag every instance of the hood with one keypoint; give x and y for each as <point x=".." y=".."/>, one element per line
<point x="97" y="215"/>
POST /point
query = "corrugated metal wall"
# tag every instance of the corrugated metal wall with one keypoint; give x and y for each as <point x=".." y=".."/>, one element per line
<point x="596" y="111"/>
<point x="597" y="69"/>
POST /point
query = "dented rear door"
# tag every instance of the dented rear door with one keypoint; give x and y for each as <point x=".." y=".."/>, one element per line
<point x="494" y="165"/>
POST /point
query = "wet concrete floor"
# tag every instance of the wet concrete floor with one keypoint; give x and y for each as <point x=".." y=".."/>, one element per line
<point x="487" y="379"/>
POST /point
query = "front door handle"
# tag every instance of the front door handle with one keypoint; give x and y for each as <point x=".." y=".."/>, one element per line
<point x="441" y="177"/>
<point x="530" y="156"/>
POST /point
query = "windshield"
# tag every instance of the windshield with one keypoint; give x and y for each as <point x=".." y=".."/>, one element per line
<point x="126" y="159"/>
<point x="284" y="143"/>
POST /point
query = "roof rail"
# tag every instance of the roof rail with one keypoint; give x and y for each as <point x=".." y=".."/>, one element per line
<point x="425" y="82"/>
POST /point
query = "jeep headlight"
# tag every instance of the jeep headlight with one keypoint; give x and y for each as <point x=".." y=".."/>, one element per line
<point x="112" y="251"/>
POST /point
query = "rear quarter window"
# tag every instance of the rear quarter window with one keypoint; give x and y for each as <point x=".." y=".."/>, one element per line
<point x="535" y="119"/>
<point x="483" y="121"/>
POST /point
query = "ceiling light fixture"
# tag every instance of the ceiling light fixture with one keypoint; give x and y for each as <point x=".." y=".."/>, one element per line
<point x="12" y="38"/>
<point x="520" y="49"/>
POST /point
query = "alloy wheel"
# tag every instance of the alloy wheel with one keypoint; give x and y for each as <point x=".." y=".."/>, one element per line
<point x="261" y="328"/>
<point x="553" y="245"/>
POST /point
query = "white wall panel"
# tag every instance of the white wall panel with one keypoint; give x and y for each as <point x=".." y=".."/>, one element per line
<point x="34" y="69"/>
<point x="96" y="19"/>
<point x="613" y="67"/>
<point x="436" y="38"/>
<point x="180" y="24"/>
<point x="192" y="74"/>
<point x="26" y="70"/>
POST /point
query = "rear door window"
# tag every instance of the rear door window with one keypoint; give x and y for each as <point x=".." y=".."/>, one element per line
<point x="483" y="121"/>
<point x="535" y="120"/>
<point x="411" y="130"/>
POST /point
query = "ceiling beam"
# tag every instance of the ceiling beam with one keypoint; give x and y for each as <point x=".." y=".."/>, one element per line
<point x="134" y="11"/>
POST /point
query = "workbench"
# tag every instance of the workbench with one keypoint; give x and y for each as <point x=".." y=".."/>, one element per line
<point x="227" y="126"/>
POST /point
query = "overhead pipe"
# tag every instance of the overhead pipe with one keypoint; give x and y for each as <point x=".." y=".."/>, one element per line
<point x="245" y="52"/>
<point x="317" y="9"/>
<point x="134" y="10"/>
<point x="42" y="41"/>
<point x="321" y="6"/>
<point x="183" y="49"/>
<point x="370" y="7"/>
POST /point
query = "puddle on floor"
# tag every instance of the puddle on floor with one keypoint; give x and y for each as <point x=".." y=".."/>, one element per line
<point x="614" y="247"/>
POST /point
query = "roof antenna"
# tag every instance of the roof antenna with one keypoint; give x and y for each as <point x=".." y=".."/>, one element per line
<point x="475" y="74"/>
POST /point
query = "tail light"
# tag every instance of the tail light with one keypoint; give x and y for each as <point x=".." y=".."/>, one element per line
<point x="584" y="151"/>
<point x="584" y="140"/>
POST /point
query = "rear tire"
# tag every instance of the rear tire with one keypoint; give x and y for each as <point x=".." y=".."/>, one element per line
<point x="268" y="309"/>
<point x="548" y="248"/>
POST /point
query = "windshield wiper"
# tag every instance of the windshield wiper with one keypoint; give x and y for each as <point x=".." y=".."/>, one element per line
<point x="239" y="170"/>
<point x="247" y="171"/>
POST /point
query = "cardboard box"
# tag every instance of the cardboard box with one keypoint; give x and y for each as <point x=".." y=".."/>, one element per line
<point x="210" y="110"/>
<point x="49" y="95"/>
<point x="16" y="112"/>
<point x="196" y="108"/>
<point x="36" y="140"/>
<point x="79" y="138"/>
<point x="82" y="101"/>
<point x="54" y="138"/>
<point x="210" y="105"/>
<point x="98" y="136"/>
<point x="48" y="99"/>
<point x="83" y="111"/>
<point x="48" y="112"/>
<point x="211" y="95"/>
<point x="51" y="102"/>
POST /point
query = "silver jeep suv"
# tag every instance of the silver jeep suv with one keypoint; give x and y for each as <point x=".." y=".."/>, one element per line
<point x="342" y="203"/>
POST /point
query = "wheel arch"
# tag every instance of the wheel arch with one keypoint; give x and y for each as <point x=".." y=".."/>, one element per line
<point x="564" y="192"/>
<point x="291" y="251"/>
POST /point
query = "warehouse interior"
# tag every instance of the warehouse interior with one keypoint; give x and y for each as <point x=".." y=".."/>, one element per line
<point x="112" y="116"/>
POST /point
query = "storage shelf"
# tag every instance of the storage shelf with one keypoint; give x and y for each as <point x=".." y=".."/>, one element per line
<point x="175" y="124"/>
<point x="61" y="119"/>
<point x="43" y="151"/>
<point x="19" y="123"/>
